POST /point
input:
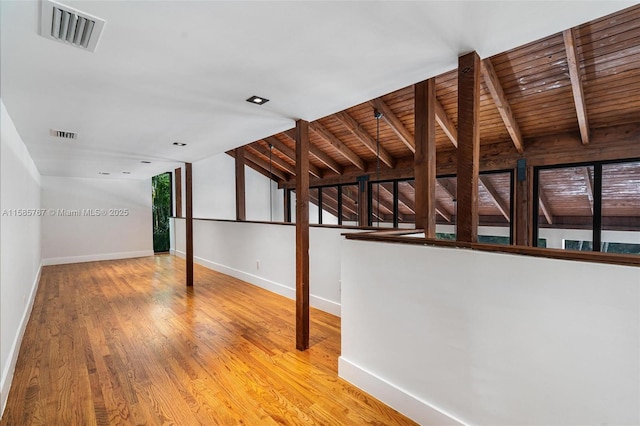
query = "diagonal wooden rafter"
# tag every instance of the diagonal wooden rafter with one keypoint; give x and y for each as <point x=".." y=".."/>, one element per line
<point x="319" y="154"/>
<point x="277" y="161"/>
<point x="502" y="103"/>
<point x="290" y="153"/>
<point x="365" y="138"/>
<point x="394" y="122"/>
<point x="440" y="209"/>
<point x="336" y="143"/>
<point x="545" y="206"/>
<point x="495" y="196"/>
<point x="322" y="156"/>
<point x="262" y="168"/>
<point x="576" y="83"/>
<point x="264" y="165"/>
<point x="448" y="187"/>
<point x="588" y="181"/>
<point x="384" y="203"/>
<point x="446" y="124"/>
<point x="408" y="203"/>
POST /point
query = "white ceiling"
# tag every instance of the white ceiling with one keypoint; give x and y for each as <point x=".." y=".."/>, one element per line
<point x="181" y="70"/>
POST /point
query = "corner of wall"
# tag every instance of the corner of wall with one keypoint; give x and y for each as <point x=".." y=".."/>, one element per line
<point x="7" y="374"/>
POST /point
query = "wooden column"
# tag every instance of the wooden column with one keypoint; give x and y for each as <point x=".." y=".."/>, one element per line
<point x="241" y="210"/>
<point x="287" y="205"/>
<point x="189" y="227"/>
<point x="178" y="189"/>
<point x="425" y="156"/>
<point x="302" y="235"/>
<point x="363" y="202"/>
<point x="523" y="206"/>
<point x="468" y="154"/>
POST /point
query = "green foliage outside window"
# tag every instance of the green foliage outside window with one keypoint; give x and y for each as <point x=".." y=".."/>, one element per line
<point x="161" y="196"/>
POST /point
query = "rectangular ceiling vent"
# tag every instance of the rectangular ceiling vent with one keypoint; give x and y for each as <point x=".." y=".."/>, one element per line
<point x="68" y="25"/>
<point x="62" y="134"/>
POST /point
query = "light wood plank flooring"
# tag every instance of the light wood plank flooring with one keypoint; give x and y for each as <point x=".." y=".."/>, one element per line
<point x="125" y="342"/>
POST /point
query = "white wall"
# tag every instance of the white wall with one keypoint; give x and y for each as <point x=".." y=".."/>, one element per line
<point x="214" y="188"/>
<point x="491" y="338"/>
<point x="214" y="192"/>
<point x="20" y="258"/>
<point x="123" y="229"/>
<point x="264" y="255"/>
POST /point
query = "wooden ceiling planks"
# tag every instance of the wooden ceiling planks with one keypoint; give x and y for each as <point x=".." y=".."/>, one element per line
<point x="537" y="98"/>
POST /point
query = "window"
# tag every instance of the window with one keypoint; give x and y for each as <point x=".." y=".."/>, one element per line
<point x="590" y="207"/>
<point x="349" y="205"/>
<point x="406" y="191"/>
<point x="494" y="207"/>
<point x="621" y="208"/>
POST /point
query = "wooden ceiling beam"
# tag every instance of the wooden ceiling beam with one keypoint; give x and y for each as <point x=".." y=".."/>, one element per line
<point x="408" y="203"/>
<point x="290" y="153"/>
<point x="322" y="156"/>
<point x="446" y="124"/>
<point x="440" y="208"/>
<point x="448" y="187"/>
<point x="264" y="165"/>
<point x="442" y="211"/>
<point x="545" y="206"/>
<point x="259" y="169"/>
<point x="383" y="202"/>
<point x="365" y="138"/>
<point x="336" y="143"/>
<point x="499" y="98"/>
<point x="495" y="196"/>
<point x="394" y="122"/>
<point x="576" y="83"/>
<point x="277" y="161"/>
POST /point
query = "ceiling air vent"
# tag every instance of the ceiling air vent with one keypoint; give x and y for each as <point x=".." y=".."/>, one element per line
<point x="62" y="134"/>
<point x="68" y="25"/>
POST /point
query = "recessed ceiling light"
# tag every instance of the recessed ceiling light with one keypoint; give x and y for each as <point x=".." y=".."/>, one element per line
<point x="104" y="173"/>
<point x="145" y="162"/>
<point x="126" y="173"/>
<point x="258" y="100"/>
<point x="179" y="144"/>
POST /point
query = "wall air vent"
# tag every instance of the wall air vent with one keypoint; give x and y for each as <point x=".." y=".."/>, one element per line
<point x="68" y="25"/>
<point x="62" y="134"/>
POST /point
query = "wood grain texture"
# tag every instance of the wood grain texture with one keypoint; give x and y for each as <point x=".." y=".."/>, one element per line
<point x="468" y="153"/>
<point x="425" y="157"/>
<point x="302" y="235"/>
<point x="241" y="209"/>
<point x="123" y="342"/>
<point x="188" y="180"/>
<point x="365" y="138"/>
<point x="576" y="83"/>
<point x="337" y="144"/>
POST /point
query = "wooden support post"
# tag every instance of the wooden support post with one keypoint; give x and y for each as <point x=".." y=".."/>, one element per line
<point x="302" y="235"/>
<point x="523" y="206"/>
<point x="241" y="210"/>
<point x="468" y="154"/>
<point x="425" y="156"/>
<point x="178" y="189"/>
<point x="287" y="204"/>
<point x="363" y="202"/>
<point x="189" y="227"/>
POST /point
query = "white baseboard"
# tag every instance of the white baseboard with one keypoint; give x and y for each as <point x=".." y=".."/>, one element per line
<point x="275" y="287"/>
<point x="398" y="399"/>
<point x="7" y="374"/>
<point x="96" y="257"/>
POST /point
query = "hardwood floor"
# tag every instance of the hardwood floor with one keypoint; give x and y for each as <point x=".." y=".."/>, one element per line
<point x="125" y="342"/>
